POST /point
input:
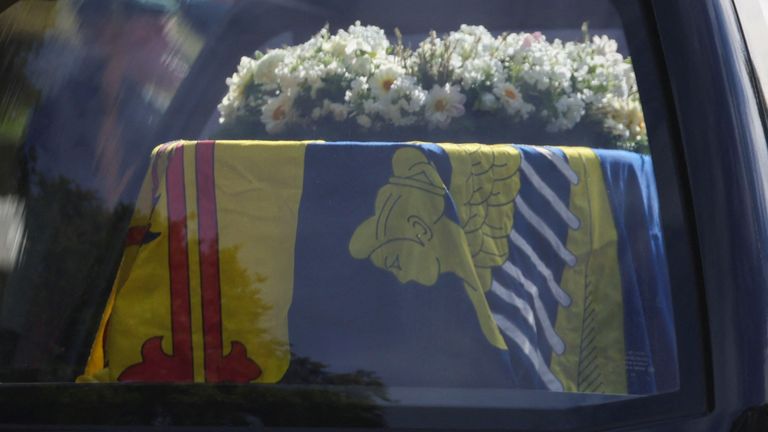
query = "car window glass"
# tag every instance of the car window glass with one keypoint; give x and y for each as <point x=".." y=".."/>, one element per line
<point x="451" y="208"/>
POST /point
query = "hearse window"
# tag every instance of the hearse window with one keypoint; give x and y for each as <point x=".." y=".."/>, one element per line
<point x="342" y="213"/>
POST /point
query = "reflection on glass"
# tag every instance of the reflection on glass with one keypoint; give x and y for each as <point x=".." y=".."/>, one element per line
<point x="429" y="275"/>
<point x="85" y="85"/>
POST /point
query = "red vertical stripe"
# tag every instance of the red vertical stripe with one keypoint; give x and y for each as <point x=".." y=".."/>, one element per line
<point x="156" y="365"/>
<point x="178" y="261"/>
<point x="208" y="228"/>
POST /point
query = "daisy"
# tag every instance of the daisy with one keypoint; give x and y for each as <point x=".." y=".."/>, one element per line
<point x="444" y="103"/>
<point x="384" y="79"/>
<point x="277" y="113"/>
<point x="512" y="100"/>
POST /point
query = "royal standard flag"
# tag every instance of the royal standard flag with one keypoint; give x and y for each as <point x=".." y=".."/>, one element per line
<point x="435" y="265"/>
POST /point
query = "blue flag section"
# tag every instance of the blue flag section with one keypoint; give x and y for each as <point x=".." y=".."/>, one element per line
<point x="648" y="318"/>
<point x="483" y="267"/>
<point x="352" y="315"/>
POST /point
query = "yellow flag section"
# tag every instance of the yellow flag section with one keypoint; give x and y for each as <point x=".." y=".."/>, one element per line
<point x="593" y="325"/>
<point x="189" y="261"/>
<point x="412" y="206"/>
<point x="484" y="182"/>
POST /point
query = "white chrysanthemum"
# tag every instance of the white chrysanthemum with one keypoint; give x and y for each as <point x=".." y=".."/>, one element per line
<point x="383" y="80"/>
<point x="512" y="100"/>
<point x="277" y="113"/>
<point x="390" y="95"/>
<point x="442" y="104"/>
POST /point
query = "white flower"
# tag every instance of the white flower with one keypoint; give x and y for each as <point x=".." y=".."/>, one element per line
<point x="227" y="109"/>
<point x="338" y="111"/>
<point x="264" y="71"/>
<point x="357" y="93"/>
<point x="373" y="107"/>
<point x="277" y="113"/>
<point x="414" y="97"/>
<point x="394" y="96"/>
<point x="370" y="39"/>
<point x="364" y="121"/>
<point x="624" y="118"/>
<point x="242" y="77"/>
<point x="478" y="71"/>
<point x="512" y="99"/>
<point x="359" y="65"/>
<point x="443" y="104"/>
<point x="355" y="74"/>
<point x="604" y="45"/>
<point x="470" y="42"/>
<point x="355" y="48"/>
<point x="570" y="109"/>
<point x="287" y="80"/>
<point x="531" y="39"/>
<point x="545" y="66"/>
<point x="384" y="79"/>
<point x="487" y="102"/>
<point x="232" y="103"/>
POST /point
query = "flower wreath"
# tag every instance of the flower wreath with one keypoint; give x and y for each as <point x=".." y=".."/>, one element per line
<point x="468" y="80"/>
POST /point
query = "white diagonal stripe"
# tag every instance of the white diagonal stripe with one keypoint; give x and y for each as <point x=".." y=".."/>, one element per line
<point x="560" y="163"/>
<point x="562" y="297"/>
<point x="511" y="298"/>
<point x="549" y="195"/>
<point x="549" y="332"/>
<point x="530" y="351"/>
<point x="547" y="232"/>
